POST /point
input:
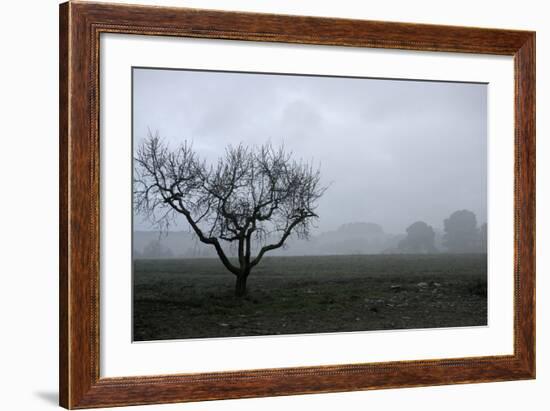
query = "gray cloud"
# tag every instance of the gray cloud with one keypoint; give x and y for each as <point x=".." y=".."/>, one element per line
<point x="393" y="151"/>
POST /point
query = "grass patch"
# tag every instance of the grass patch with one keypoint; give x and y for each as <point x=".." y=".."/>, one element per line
<point x="193" y="298"/>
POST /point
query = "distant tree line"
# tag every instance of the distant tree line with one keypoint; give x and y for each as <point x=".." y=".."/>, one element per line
<point x="461" y="235"/>
<point x="154" y="249"/>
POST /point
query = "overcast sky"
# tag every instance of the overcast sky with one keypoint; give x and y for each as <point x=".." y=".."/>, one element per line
<point x="394" y="152"/>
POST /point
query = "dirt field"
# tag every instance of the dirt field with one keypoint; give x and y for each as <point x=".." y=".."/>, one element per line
<point x="193" y="298"/>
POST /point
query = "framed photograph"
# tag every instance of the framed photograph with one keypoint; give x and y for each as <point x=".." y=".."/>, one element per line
<point x="258" y="205"/>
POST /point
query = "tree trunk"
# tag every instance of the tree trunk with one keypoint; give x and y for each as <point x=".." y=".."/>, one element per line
<point x="240" y="286"/>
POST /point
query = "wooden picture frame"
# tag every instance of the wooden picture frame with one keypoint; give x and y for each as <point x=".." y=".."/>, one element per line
<point x="80" y="27"/>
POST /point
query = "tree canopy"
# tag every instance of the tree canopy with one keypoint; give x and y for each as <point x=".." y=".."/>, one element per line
<point x="420" y="239"/>
<point x="461" y="232"/>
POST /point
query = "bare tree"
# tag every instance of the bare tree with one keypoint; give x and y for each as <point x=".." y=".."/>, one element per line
<point x="253" y="197"/>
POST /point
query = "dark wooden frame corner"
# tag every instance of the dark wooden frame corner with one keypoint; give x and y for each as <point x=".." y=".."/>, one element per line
<point x="81" y="24"/>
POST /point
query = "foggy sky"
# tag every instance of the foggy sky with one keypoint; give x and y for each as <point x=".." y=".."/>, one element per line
<point x="394" y="152"/>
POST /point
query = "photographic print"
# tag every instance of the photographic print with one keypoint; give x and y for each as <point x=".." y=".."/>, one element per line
<point x="273" y="204"/>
